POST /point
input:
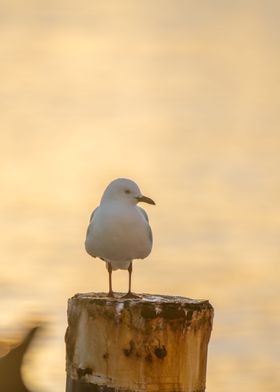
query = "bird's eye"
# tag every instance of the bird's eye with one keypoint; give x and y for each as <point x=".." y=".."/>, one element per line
<point x="127" y="191"/>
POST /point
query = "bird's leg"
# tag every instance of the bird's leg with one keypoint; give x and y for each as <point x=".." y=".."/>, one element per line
<point x="129" y="278"/>
<point x="111" y="293"/>
<point x="130" y="294"/>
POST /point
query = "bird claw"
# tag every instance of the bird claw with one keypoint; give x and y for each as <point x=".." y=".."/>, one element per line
<point x="130" y="295"/>
<point x="111" y="294"/>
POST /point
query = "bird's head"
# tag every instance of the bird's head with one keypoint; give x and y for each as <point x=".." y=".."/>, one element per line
<point x="123" y="189"/>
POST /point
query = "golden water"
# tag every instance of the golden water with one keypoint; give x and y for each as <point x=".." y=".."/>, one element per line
<point x="182" y="97"/>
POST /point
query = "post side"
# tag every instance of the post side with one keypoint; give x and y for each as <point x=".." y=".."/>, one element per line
<point x="151" y="344"/>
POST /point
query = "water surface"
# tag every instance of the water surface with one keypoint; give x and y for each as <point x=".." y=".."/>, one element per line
<point x="183" y="98"/>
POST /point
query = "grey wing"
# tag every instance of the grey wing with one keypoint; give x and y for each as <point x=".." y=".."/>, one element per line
<point x="91" y="217"/>
<point x="90" y="220"/>
<point x="144" y="213"/>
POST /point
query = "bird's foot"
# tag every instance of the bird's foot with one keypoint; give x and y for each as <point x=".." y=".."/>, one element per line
<point x="130" y="295"/>
<point x="111" y="294"/>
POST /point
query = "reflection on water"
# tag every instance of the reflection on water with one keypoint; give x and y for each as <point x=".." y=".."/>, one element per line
<point x="184" y="100"/>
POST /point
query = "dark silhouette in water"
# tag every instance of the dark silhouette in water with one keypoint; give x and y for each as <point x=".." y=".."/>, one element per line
<point x="10" y="366"/>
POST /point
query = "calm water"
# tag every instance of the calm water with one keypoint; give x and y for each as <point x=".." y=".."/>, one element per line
<point x="180" y="96"/>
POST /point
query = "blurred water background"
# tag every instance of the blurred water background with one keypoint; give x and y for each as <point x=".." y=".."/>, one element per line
<point x="183" y="97"/>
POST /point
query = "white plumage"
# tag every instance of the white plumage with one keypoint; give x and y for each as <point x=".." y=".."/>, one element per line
<point x="119" y="230"/>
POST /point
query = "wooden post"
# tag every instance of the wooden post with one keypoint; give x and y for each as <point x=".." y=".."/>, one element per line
<point x="152" y="344"/>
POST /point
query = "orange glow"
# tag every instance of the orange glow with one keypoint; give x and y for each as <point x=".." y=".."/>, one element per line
<point x="181" y="97"/>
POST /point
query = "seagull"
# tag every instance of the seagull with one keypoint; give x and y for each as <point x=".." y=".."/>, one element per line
<point x="119" y="230"/>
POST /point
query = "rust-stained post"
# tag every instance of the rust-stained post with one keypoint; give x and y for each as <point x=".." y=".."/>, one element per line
<point x="151" y="344"/>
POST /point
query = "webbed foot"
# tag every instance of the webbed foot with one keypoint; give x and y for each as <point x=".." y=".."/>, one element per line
<point x="111" y="294"/>
<point x="130" y="295"/>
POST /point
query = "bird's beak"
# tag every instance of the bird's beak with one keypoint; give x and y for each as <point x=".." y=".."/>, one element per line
<point x="145" y="199"/>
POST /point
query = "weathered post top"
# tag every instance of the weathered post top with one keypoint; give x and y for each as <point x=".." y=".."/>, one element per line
<point x="154" y="343"/>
